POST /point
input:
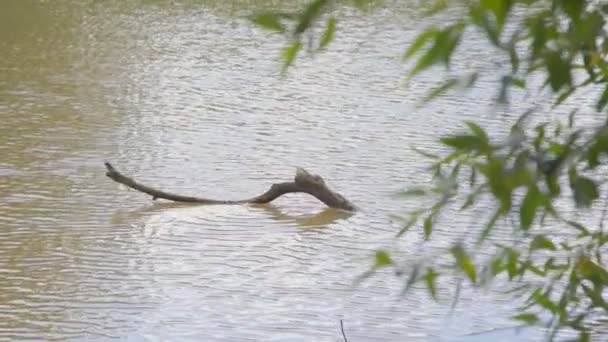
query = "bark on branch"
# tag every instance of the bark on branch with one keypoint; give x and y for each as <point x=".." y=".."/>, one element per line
<point x="303" y="182"/>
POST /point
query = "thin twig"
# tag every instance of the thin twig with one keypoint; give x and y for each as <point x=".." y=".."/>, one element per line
<point x="342" y="329"/>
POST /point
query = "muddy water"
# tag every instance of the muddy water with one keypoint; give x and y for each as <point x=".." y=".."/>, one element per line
<point x="187" y="97"/>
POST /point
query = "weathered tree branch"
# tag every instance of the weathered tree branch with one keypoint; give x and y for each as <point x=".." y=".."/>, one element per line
<point x="303" y="182"/>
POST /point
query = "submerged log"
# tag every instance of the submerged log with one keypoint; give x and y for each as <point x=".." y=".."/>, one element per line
<point x="303" y="181"/>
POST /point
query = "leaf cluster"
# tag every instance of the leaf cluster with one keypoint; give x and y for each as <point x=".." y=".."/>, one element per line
<point x="559" y="260"/>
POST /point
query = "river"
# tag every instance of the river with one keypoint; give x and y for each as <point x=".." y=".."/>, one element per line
<point x="186" y="96"/>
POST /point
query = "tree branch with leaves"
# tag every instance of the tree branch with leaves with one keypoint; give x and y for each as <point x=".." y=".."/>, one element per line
<point x="536" y="166"/>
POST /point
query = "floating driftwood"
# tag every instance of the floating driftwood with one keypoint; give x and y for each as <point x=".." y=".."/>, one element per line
<point x="303" y="181"/>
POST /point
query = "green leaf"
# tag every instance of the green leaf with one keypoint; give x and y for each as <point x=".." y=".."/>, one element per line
<point x="583" y="336"/>
<point x="540" y="31"/>
<point x="553" y="185"/>
<point x="439" y="90"/>
<point x="559" y="69"/>
<point x="269" y="21"/>
<point x="382" y="259"/>
<point x="601" y="103"/>
<point x="599" y="148"/>
<point x="478" y="132"/>
<point x="453" y="34"/>
<point x="528" y="265"/>
<point x="502" y="182"/>
<point x="544" y="301"/>
<point x="464" y="261"/>
<point x="420" y="41"/>
<point x="585" y="191"/>
<point x="464" y="142"/>
<point x="329" y="33"/>
<point x="424" y="62"/>
<point x="428" y="227"/>
<point x="572" y="8"/>
<point x="512" y="262"/>
<point x="592" y="271"/>
<point x="480" y="17"/>
<point x="290" y="53"/>
<point x="496" y="265"/>
<point x="312" y="11"/>
<point x="595" y="296"/>
<point x="441" y="51"/>
<point x="541" y="242"/>
<point x="533" y="200"/>
<point x="528" y="318"/>
<point x="500" y="8"/>
<point x="518" y="82"/>
<point x="430" y="278"/>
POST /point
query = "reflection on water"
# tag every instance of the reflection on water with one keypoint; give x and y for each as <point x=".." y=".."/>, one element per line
<point x="186" y="97"/>
<point x="321" y="219"/>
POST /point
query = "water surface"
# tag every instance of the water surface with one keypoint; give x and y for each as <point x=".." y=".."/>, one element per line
<point x="187" y="97"/>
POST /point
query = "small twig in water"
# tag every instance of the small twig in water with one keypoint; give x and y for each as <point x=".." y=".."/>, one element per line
<point x="303" y="182"/>
<point x="342" y="329"/>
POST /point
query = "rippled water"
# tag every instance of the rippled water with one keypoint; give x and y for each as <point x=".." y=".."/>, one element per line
<point x="187" y="97"/>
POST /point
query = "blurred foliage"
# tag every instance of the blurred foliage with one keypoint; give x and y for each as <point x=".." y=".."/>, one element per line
<point x="558" y="260"/>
